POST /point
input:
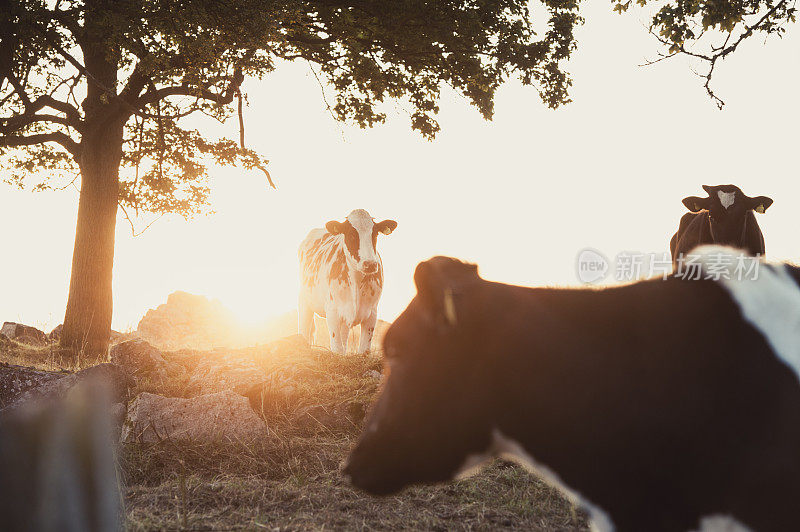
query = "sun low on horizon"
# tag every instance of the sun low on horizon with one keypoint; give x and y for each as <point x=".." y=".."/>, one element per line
<point x="520" y="195"/>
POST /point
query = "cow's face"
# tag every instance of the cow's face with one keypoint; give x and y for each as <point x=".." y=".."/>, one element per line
<point x="728" y="209"/>
<point x="432" y="417"/>
<point x="360" y="238"/>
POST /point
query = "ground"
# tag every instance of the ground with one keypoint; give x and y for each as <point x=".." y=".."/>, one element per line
<point x="313" y="408"/>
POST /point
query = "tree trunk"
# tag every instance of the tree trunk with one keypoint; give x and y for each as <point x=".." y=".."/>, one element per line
<point x="87" y="323"/>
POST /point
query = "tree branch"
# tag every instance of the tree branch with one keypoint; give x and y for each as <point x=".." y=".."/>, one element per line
<point x="73" y="114"/>
<point x="134" y="234"/>
<point x="13" y="141"/>
<point x="204" y="93"/>
<point x="718" y="52"/>
<point x="18" y="122"/>
<point x="136" y="83"/>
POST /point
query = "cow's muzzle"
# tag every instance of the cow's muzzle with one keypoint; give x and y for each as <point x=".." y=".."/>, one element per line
<point x="369" y="266"/>
<point x="371" y="479"/>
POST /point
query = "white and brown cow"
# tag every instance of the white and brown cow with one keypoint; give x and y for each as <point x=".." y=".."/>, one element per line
<point x="341" y="278"/>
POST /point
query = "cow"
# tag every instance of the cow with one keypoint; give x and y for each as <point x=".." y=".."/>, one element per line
<point x="725" y="217"/>
<point x="658" y="405"/>
<point x="341" y="278"/>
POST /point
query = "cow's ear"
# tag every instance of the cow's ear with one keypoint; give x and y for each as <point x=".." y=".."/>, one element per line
<point x="334" y="227"/>
<point x="441" y="282"/>
<point x="760" y="204"/>
<point x="386" y="227"/>
<point x="695" y="204"/>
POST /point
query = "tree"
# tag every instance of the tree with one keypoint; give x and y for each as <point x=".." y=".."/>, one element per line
<point x="711" y="30"/>
<point x="100" y="87"/>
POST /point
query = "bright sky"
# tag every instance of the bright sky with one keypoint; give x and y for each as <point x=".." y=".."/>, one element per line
<point x="521" y="195"/>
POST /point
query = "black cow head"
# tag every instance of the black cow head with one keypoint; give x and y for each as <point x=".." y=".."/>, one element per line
<point x="728" y="209"/>
<point x="433" y="412"/>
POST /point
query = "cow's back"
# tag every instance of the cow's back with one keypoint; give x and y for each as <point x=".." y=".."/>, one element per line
<point x="316" y="252"/>
<point x="637" y="396"/>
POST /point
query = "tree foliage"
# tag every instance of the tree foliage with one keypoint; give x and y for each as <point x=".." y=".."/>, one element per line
<point x="173" y="58"/>
<point x="710" y="30"/>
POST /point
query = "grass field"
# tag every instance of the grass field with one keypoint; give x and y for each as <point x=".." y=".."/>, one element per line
<point x="291" y="480"/>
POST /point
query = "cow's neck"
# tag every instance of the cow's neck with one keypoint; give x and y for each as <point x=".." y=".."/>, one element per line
<point x="356" y="279"/>
<point x="357" y="282"/>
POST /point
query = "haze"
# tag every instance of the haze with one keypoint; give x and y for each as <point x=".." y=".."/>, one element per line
<point x="521" y="195"/>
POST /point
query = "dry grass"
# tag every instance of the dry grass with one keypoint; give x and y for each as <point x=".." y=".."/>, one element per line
<point x="291" y="480"/>
<point x="313" y="404"/>
<point x="47" y="357"/>
<point x="503" y="497"/>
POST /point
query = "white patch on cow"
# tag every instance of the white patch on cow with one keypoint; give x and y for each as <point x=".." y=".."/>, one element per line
<point x="363" y="223"/>
<point x="721" y="523"/>
<point x="770" y="301"/>
<point x="511" y="450"/>
<point x="472" y="465"/>
<point x="504" y="447"/>
<point x="726" y="198"/>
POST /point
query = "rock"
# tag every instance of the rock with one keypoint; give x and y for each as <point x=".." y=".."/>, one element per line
<point x="223" y="416"/>
<point x="373" y="374"/>
<point x="117" y="419"/>
<point x="23" y="333"/>
<point x="216" y="374"/>
<point x="113" y="377"/>
<point x="55" y="334"/>
<point x="141" y="360"/>
<point x="14" y="380"/>
<point x="189" y="321"/>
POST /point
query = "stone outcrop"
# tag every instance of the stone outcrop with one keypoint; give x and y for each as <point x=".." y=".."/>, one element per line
<point x="15" y="380"/>
<point x="113" y="379"/>
<point x="23" y="333"/>
<point x="219" y="417"/>
<point x="216" y="374"/>
<point x="188" y="321"/>
<point x="141" y="360"/>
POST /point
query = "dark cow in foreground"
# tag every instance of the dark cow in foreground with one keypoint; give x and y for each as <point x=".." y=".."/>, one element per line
<point x="725" y="218"/>
<point x="341" y="278"/>
<point x="661" y="405"/>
